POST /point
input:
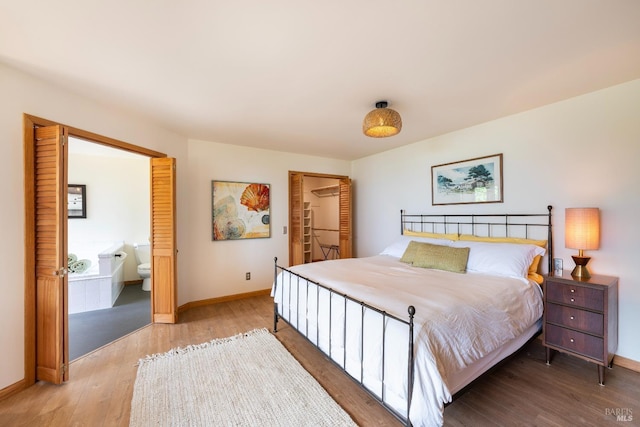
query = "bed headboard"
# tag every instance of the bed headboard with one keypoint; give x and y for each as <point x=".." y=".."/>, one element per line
<point x="523" y="225"/>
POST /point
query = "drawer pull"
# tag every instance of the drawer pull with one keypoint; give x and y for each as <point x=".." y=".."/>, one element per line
<point x="573" y="300"/>
<point x="572" y="318"/>
<point x="573" y="290"/>
<point x="571" y="340"/>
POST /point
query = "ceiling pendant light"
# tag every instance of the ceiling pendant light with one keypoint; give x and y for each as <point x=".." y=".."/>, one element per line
<point x="382" y="121"/>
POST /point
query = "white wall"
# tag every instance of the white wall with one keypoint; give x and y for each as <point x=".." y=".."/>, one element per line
<point x="576" y="153"/>
<point x="22" y="93"/>
<point x="118" y="194"/>
<point x="218" y="268"/>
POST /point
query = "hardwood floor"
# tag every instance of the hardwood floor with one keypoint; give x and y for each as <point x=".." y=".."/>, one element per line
<point x="522" y="391"/>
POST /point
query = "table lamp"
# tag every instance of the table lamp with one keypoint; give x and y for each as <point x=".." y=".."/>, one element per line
<point x="582" y="232"/>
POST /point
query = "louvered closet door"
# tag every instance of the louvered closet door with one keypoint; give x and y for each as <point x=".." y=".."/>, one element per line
<point x="163" y="245"/>
<point x="296" y="202"/>
<point x="345" y="227"/>
<point x="50" y="203"/>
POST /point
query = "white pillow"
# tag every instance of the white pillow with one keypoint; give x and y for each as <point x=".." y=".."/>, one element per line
<point x="397" y="248"/>
<point x="501" y="259"/>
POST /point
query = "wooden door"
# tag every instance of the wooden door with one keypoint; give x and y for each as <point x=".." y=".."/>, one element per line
<point x="50" y="244"/>
<point x="345" y="228"/>
<point x="45" y="242"/>
<point x="163" y="241"/>
<point x="296" y="203"/>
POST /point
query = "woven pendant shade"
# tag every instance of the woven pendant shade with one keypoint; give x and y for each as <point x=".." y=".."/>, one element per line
<point x="382" y="122"/>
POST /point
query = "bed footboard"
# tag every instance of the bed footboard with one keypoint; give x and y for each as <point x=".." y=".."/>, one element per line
<point x="360" y="339"/>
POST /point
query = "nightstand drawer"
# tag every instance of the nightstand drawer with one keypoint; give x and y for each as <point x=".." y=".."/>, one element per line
<point x="575" y="318"/>
<point x="575" y="342"/>
<point x="578" y="296"/>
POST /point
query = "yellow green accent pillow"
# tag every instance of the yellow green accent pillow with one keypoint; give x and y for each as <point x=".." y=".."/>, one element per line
<point x="410" y="253"/>
<point x="449" y="236"/>
<point x="441" y="258"/>
<point x="533" y="268"/>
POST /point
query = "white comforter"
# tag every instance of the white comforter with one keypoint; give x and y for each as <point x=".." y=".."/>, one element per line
<point x="459" y="319"/>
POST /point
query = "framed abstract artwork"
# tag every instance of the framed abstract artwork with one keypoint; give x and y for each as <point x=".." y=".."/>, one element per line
<point x="476" y="180"/>
<point x="240" y="210"/>
<point x="76" y="201"/>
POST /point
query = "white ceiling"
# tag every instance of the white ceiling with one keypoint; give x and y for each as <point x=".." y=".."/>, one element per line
<point x="299" y="76"/>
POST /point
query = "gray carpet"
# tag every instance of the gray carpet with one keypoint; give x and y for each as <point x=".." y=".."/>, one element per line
<point x="93" y="329"/>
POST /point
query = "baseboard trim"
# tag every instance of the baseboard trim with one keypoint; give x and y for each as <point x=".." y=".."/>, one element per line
<point x="133" y="282"/>
<point x="624" y="362"/>
<point x="211" y="301"/>
<point x="12" y="389"/>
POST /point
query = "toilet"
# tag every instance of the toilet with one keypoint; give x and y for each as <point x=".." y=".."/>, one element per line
<point x="143" y="256"/>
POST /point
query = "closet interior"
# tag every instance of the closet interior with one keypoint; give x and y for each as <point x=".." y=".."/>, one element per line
<point x="321" y="209"/>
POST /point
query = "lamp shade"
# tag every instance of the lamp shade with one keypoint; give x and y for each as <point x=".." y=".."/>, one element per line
<point x="382" y="122"/>
<point x="582" y="228"/>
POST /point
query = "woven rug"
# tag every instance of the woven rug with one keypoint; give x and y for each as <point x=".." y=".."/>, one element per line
<point x="248" y="379"/>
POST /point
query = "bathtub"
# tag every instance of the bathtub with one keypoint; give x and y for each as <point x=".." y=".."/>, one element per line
<point x="99" y="286"/>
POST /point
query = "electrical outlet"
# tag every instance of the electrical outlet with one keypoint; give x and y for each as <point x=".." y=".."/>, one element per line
<point x="248" y="276"/>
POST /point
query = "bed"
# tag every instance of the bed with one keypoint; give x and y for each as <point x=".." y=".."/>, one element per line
<point x="451" y="297"/>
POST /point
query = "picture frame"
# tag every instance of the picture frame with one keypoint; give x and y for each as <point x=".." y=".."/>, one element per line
<point x="240" y="210"/>
<point x="76" y="201"/>
<point x="557" y="267"/>
<point x="477" y="180"/>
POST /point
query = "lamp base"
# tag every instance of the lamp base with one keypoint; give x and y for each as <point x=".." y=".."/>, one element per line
<point x="580" y="272"/>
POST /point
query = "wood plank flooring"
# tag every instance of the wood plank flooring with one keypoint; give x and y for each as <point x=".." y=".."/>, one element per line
<point x="523" y="391"/>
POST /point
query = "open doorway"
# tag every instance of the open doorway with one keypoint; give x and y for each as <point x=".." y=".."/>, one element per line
<point x="320" y="217"/>
<point x="321" y="210"/>
<point x="108" y="244"/>
<point x="45" y="243"/>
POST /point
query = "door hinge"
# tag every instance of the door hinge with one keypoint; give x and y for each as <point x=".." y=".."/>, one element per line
<point x="63" y="368"/>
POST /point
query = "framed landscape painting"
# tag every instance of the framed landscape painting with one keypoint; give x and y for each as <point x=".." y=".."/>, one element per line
<point x="240" y="210"/>
<point x="476" y="180"/>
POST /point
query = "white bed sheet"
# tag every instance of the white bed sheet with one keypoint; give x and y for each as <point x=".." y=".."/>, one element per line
<point x="460" y="319"/>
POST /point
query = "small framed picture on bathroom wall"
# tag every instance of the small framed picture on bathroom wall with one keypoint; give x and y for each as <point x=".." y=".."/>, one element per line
<point x="77" y="201"/>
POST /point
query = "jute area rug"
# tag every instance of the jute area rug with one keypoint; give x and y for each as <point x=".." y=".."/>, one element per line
<point x="248" y="379"/>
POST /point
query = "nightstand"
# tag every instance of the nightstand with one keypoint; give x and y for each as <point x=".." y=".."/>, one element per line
<point x="581" y="318"/>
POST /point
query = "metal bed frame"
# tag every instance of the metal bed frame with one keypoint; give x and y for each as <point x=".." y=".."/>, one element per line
<point x="492" y="225"/>
<point x="500" y="225"/>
